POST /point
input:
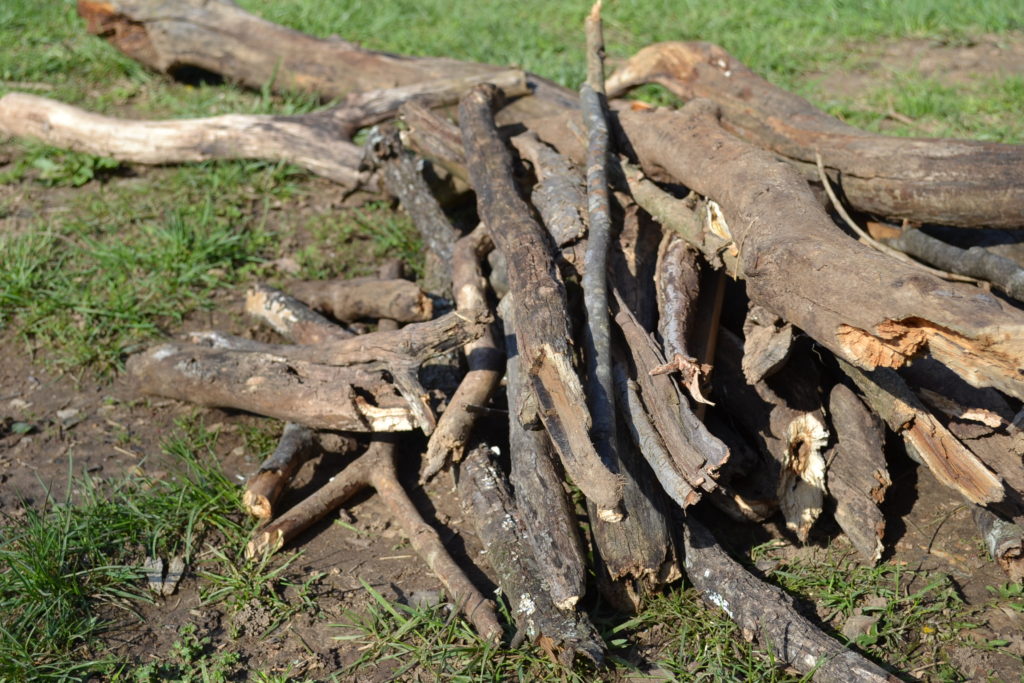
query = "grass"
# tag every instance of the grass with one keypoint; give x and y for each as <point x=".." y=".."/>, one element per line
<point x="98" y="258"/>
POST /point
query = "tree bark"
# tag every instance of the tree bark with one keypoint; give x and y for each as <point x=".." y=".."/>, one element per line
<point x="362" y="298"/>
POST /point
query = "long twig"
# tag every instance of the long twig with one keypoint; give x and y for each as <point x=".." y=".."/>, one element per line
<point x="597" y="336"/>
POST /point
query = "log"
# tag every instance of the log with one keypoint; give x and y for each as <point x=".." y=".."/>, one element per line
<point x="312" y="141"/>
<point x="290" y="317"/>
<point x="768" y="613"/>
<point x="484" y="357"/>
<point x="486" y="499"/>
<point x="376" y="469"/>
<point x="864" y="307"/>
<point x="1004" y="542"/>
<point x="297" y="445"/>
<point x="540" y="299"/>
<point x="950" y="182"/>
<point x="558" y="193"/>
<point x="402" y="177"/>
<point x="857" y="475"/>
<point x="348" y="300"/>
<point x="549" y="520"/>
<point x="353" y="399"/>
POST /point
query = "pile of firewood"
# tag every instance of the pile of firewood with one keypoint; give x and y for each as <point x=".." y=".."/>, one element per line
<point x="671" y="309"/>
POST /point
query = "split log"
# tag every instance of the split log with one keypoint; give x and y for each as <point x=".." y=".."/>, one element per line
<point x="549" y="520"/>
<point x="768" y="613"/>
<point x="951" y="182"/>
<point x="290" y="317"/>
<point x="353" y="399"/>
<point x="348" y="300"/>
<point x="864" y="307"/>
<point x="927" y="440"/>
<point x="1004" y="542"/>
<point x="857" y="474"/>
<point x="402" y="177"/>
<point x="376" y="469"/>
<point x="540" y="298"/>
<point x="311" y="141"/>
<point x="696" y="454"/>
<point x="483" y="357"/>
<point x="485" y="496"/>
<point x="976" y="262"/>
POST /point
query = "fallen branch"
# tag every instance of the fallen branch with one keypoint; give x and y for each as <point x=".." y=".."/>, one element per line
<point x="361" y="298"/>
<point x="290" y="317"/>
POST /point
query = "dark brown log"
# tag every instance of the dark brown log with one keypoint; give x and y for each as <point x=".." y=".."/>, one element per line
<point x="360" y="298"/>
<point x="951" y="182"/>
<point x="402" y="177"/>
<point x="290" y="317"/>
<point x="312" y="141"/>
<point x="865" y="307"/>
<point x="696" y="454"/>
<point x="927" y="440"/>
<point x="1004" y="542"/>
<point x="354" y="399"/>
<point x="857" y="474"/>
<point x="485" y="496"/>
<point x="549" y="520"/>
<point x="376" y="469"/>
<point x="559" y="194"/>
<point x="769" y="613"/>
<point x="484" y="358"/>
<point x="540" y="299"/>
<point x="976" y="262"/>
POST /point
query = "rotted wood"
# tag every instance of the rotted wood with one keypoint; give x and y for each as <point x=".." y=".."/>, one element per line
<point x="949" y="182"/>
<point x="559" y="192"/>
<point x="290" y="317"/>
<point x="376" y="469"/>
<point x="362" y="298"/>
<point x="549" y="520"/>
<point x="769" y="614"/>
<point x="767" y="343"/>
<point x="312" y="141"/>
<point x="926" y="439"/>
<point x="540" y="299"/>
<point x="564" y="635"/>
<point x="976" y="262"/>
<point x="484" y="357"/>
<point x="786" y="421"/>
<point x="695" y="453"/>
<point x="857" y="474"/>
<point x="1003" y="540"/>
<point x="402" y="177"/>
<point x="864" y="307"/>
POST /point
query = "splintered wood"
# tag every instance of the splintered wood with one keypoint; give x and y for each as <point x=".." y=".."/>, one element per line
<point x="744" y="357"/>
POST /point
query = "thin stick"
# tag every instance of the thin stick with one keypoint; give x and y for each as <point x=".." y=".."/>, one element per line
<point x="597" y="333"/>
<point x="871" y="241"/>
<point x="297" y="445"/>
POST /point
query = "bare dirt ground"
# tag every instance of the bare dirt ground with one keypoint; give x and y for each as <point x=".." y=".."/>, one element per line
<point x="104" y="429"/>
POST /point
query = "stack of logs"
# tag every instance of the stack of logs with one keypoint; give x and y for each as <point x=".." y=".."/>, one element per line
<point x="671" y="309"/>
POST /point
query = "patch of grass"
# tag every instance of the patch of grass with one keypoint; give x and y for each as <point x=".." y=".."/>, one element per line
<point x="435" y="643"/>
<point x="58" y="564"/>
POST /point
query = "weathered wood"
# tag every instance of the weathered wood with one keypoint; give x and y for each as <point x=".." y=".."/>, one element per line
<point x="484" y="358"/>
<point x="559" y="193"/>
<point x="951" y="182"/>
<point x="549" y="520"/>
<point x="297" y="445"/>
<point x="865" y="307"/>
<point x="485" y="496"/>
<point x="976" y="262"/>
<point x="857" y="475"/>
<point x="402" y="177"/>
<point x="434" y="137"/>
<point x="312" y="141"/>
<point x="361" y="298"/>
<point x="540" y="299"/>
<point x="927" y="440"/>
<point x="1004" y="542"/>
<point x="767" y="342"/>
<point x="768" y="613"/>
<point x="290" y="317"/>
<point x="376" y="469"/>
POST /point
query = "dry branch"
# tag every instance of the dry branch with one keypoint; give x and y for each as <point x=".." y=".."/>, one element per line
<point x="297" y="445"/>
<point x="290" y="317"/>
<point x="376" y="469"/>
<point x="951" y="182"/>
<point x="540" y="299"/>
<point x="864" y="307"/>
<point x="361" y="298"/>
